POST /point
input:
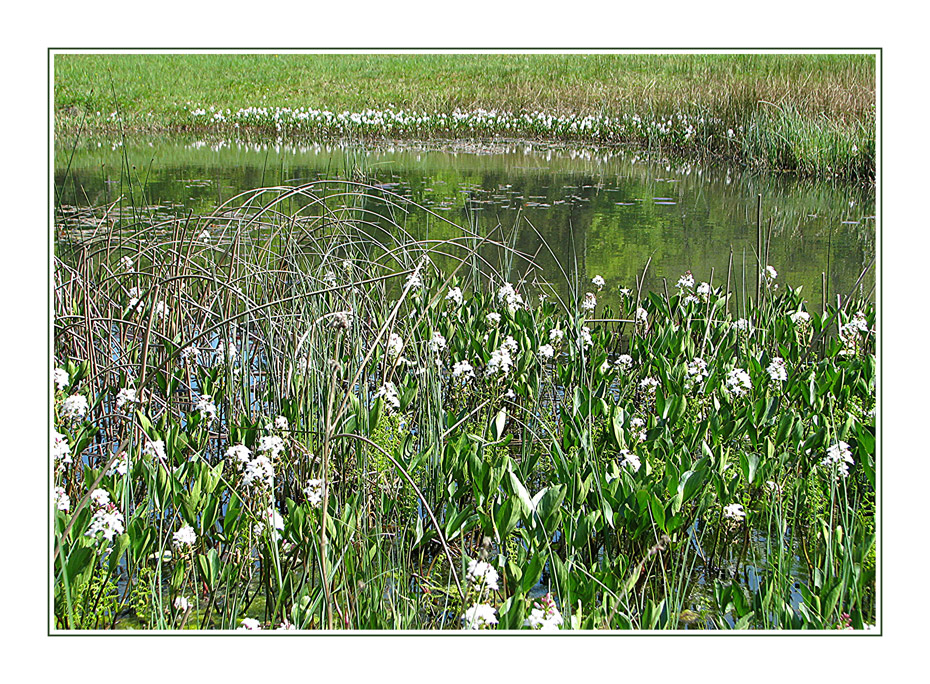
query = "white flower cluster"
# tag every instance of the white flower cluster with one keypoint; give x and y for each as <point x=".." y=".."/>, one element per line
<point x="269" y="517"/>
<point x="61" y="378"/>
<point x="850" y="333"/>
<point x="126" y="396"/>
<point x="800" y="318"/>
<point x="738" y="382"/>
<point x="437" y="343"/>
<point x="696" y="370"/>
<point x="155" y="449"/>
<point x="62" y="502"/>
<point x="182" y="604"/>
<point x="190" y="354"/>
<point x="61" y="450"/>
<point x="744" y="325"/>
<point x="770" y="275"/>
<point x="342" y="320"/>
<point x="624" y="362"/>
<point x="641" y="316"/>
<point x="629" y="460"/>
<point x="639" y="428"/>
<point x="839" y="457"/>
<point x="107" y="519"/>
<point x="649" y="385"/>
<point x="455" y="296"/>
<point x="507" y="295"/>
<point x="257" y="471"/>
<point x="184" y="538"/>
<point x="556" y="335"/>
<point x="493" y="318"/>
<point x="680" y="128"/>
<point x="206" y="407"/>
<point x="395" y="345"/>
<point x="686" y="282"/>
<point x="544" y="616"/>
<point x="734" y="511"/>
<point x="463" y="370"/>
<point x="501" y="359"/>
<point x="546" y="352"/>
<point x="589" y="303"/>
<point x="389" y="393"/>
<point x="74" y="407"/>
<point x="584" y="337"/>
<point x="598" y="282"/>
<point x="482" y="577"/>
<point x="480" y="616"/>
<point x="249" y="625"/>
<point x="777" y="370"/>
<point x="314" y="493"/>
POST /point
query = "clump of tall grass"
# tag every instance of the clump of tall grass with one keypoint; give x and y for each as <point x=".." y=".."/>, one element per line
<point x="289" y="413"/>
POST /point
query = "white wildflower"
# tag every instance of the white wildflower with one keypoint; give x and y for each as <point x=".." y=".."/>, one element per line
<point x="455" y="296"/>
<point x="342" y="320"/>
<point x="598" y="282"/>
<point x="249" y="625"/>
<point x="589" y="303"/>
<point x="480" y="616"/>
<point x="75" y="407"/>
<point x="556" y="335"/>
<point x="584" y="337"/>
<point x="738" y="382"/>
<point x="239" y="454"/>
<point x="546" y="351"/>
<point x="482" y="576"/>
<point x="649" y="385"/>
<point x="206" y="407"/>
<point x="494" y="318"/>
<point x="437" y="343"/>
<point x="185" y="537"/>
<point x="776" y="370"/>
<point x="800" y="318"/>
<point x="156" y="449"/>
<point x="272" y="445"/>
<point x="686" y="282"/>
<point x="544" y="616"/>
<point x="62" y="502"/>
<point x="839" y="457"/>
<point x="190" y="354"/>
<point x="744" y="325"/>
<point x="389" y="393"/>
<point x="394" y="345"/>
<point x="314" y="493"/>
<point x="734" y="511"/>
<point x="463" y="370"/>
<point x="61" y="377"/>
<point x="61" y="450"/>
<point x="629" y="460"/>
<point x="624" y="362"/>
<point x="182" y="604"/>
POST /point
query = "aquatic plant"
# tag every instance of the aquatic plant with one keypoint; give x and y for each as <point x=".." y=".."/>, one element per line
<point x="439" y="461"/>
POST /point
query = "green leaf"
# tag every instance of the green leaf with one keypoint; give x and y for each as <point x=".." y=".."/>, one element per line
<point x="500" y="422"/>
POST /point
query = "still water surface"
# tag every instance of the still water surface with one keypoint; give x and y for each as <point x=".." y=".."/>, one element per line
<point x="603" y="212"/>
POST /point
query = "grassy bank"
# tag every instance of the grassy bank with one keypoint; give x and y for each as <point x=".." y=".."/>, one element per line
<point x="289" y="413"/>
<point x="811" y="114"/>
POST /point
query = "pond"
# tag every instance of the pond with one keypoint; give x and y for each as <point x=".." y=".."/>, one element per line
<point x="600" y="211"/>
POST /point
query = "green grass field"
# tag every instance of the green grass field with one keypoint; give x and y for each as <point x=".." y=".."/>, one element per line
<point x="804" y="113"/>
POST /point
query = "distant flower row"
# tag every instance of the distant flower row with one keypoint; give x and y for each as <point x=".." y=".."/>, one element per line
<point x="680" y="128"/>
